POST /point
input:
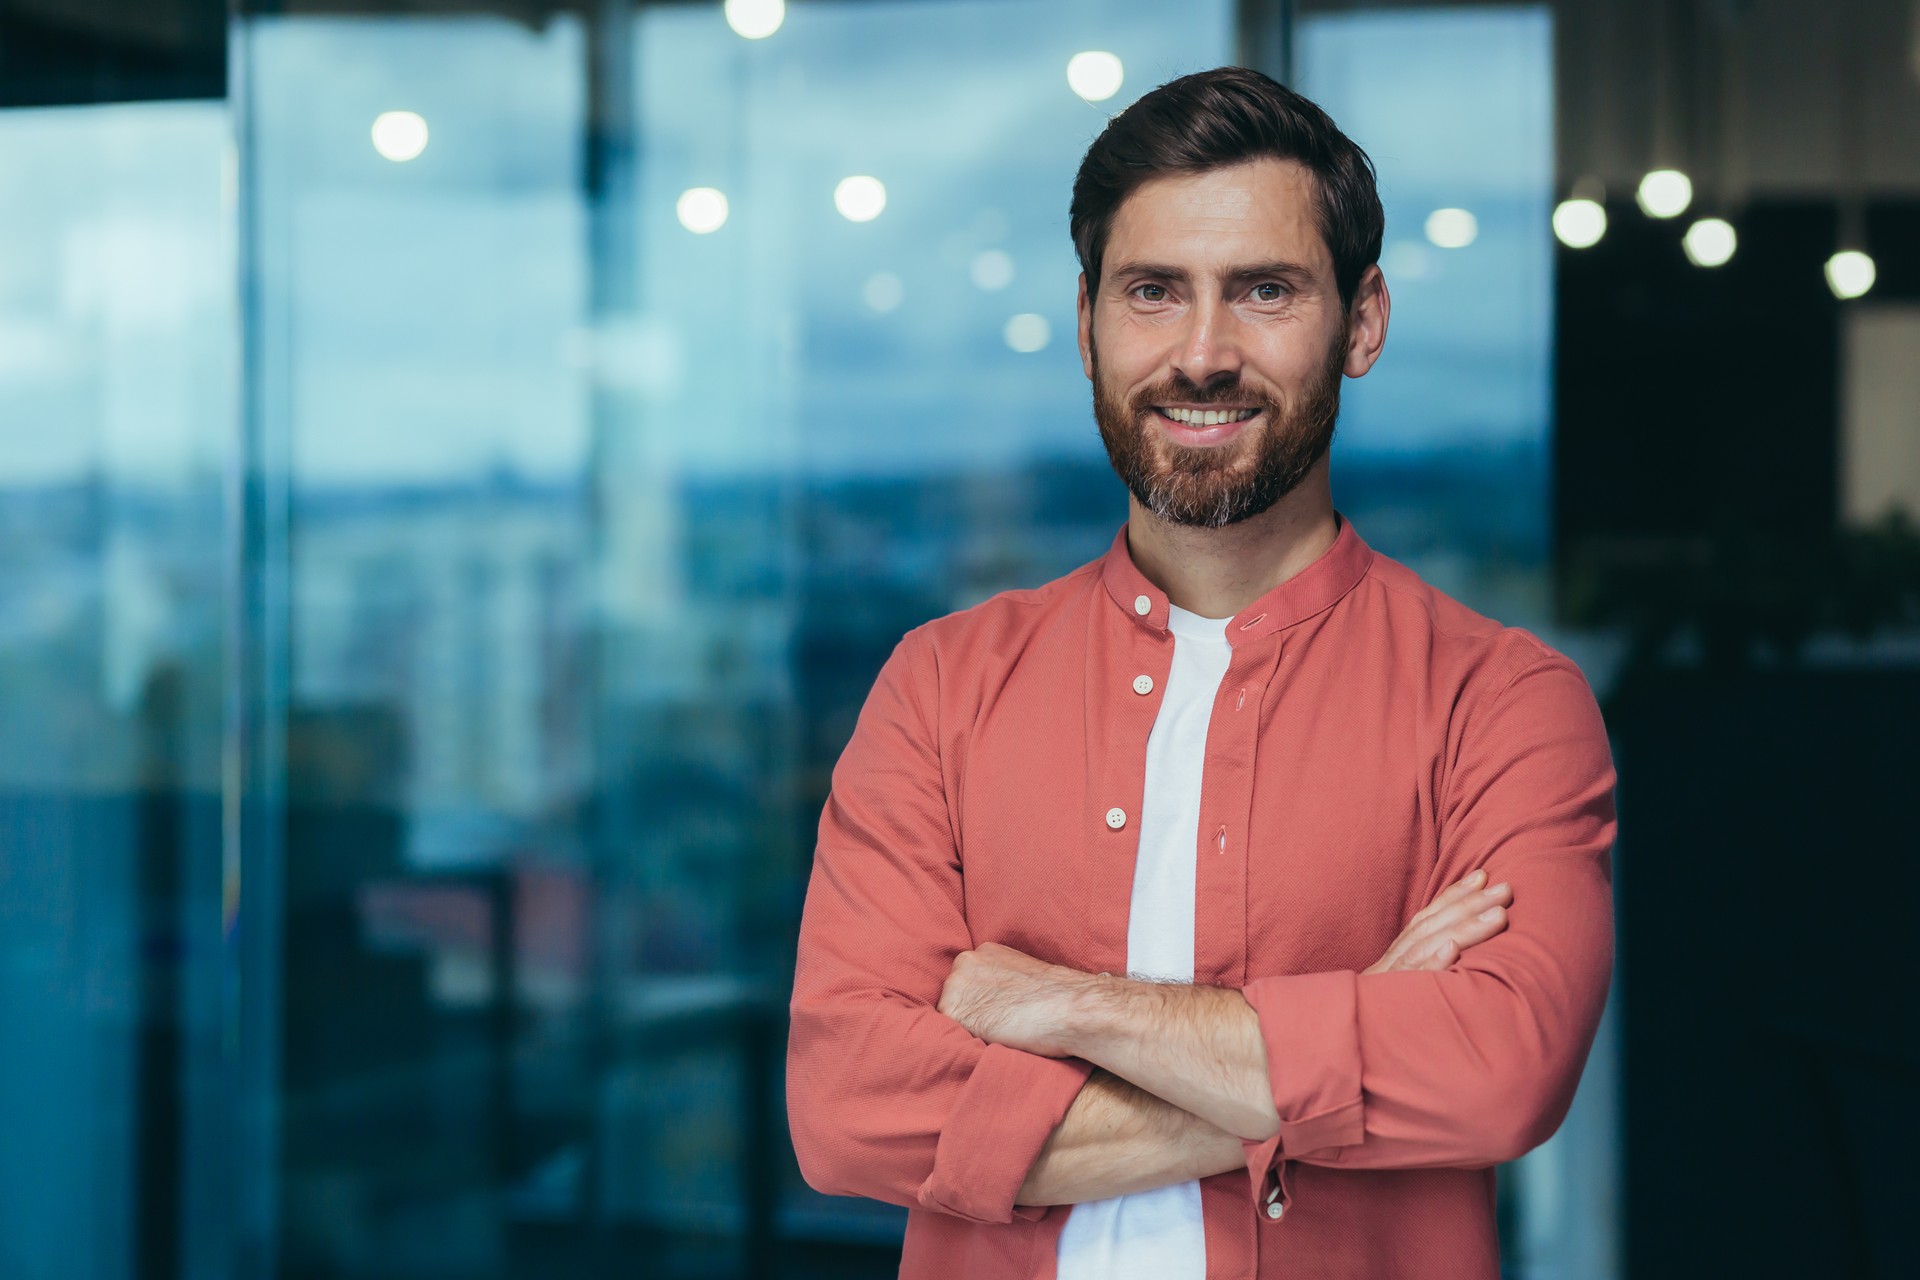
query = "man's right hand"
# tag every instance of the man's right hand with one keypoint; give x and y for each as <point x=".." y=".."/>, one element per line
<point x="1463" y="914"/>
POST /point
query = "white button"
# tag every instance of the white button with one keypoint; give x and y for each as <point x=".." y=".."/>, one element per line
<point x="1116" y="818"/>
<point x="1275" y="1209"/>
<point x="1143" y="684"/>
<point x="1142" y="606"/>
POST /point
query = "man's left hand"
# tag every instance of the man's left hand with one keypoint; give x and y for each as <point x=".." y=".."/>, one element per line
<point x="1007" y="997"/>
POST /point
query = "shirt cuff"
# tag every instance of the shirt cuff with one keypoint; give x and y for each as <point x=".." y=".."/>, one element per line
<point x="1008" y="1108"/>
<point x="1309" y="1023"/>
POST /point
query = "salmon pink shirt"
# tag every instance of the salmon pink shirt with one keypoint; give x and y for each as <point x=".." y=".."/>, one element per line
<point x="1373" y="742"/>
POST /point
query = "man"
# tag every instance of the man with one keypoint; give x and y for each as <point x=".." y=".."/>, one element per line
<point x="1230" y="906"/>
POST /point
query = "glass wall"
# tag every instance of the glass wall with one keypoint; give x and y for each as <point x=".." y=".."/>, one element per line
<point x="461" y="490"/>
<point x="637" y="385"/>
<point x="118" y="377"/>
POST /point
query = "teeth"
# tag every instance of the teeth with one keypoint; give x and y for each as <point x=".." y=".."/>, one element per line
<point x="1208" y="417"/>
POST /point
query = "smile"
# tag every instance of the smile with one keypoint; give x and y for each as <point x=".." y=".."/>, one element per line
<point x="1206" y="417"/>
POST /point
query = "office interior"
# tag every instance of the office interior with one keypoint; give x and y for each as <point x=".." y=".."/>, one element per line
<point x="464" y="461"/>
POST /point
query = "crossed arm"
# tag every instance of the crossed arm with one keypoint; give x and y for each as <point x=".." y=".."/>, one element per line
<point x="1182" y="1076"/>
<point x="1455" y="1059"/>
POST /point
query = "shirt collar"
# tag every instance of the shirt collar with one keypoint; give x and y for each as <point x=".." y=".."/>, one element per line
<point x="1313" y="590"/>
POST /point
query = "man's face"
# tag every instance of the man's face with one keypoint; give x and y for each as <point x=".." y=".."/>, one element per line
<point x="1215" y="341"/>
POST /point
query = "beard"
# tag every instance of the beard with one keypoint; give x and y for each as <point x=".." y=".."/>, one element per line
<point x="1212" y="487"/>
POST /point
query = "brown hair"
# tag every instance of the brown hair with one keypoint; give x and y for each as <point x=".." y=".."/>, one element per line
<point x="1213" y="119"/>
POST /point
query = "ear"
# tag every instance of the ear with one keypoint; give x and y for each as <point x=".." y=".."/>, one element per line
<point x="1367" y="323"/>
<point x="1085" y="308"/>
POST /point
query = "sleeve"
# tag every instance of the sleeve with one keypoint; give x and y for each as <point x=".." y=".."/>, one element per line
<point x="1477" y="1064"/>
<point x="887" y="1097"/>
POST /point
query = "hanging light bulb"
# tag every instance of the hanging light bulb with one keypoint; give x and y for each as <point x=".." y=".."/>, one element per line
<point x="1850" y="273"/>
<point x="1710" y="242"/>
<point x="1664" y="193"/>
<point x="1580" y="223"/>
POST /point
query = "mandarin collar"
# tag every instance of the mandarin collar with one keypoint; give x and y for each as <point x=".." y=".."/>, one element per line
<point x="1313" y="590"/>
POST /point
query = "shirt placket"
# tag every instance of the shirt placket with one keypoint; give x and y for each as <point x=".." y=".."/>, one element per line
<point x="1128" y="661"/>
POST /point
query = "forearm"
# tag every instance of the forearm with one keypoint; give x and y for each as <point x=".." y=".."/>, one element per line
<point x="1199" y="1048"/>
<point x="1118" y="1139"/>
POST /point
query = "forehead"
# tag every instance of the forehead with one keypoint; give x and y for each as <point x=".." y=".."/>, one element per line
<point x="1262" y="210"/>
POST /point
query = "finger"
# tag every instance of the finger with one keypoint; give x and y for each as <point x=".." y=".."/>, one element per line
<point x="1453" y="893"/>
<point x="1420" y="935"/>
<point x="1456" y="940"/>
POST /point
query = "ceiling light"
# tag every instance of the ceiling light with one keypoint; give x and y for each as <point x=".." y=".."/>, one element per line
<point x="1665" y="193"/>
<point x="756" y="19"/>
<point x="1580" y="223"/>
<point x="701" y="210"/>
<point x="1452" y="228"/>
<point x="860" y="198"/>
<point x="1094" y="75"/>
<point x="1710" y="242"/>
<point x="1850" y="273"/>
<point x="399" y="135"/>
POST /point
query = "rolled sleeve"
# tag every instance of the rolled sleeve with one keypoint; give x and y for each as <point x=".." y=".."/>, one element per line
<point x="887" y="1097"/>
<point x="1475" y="1065"/>
<point x="1007" y="1109"/>
<point x="1309" y="1024"/>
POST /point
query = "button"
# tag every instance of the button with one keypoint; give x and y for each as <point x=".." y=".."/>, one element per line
<point x="1275" y="1209"/>
<point x="1143" y="685"/>
<point x="1142" y="605"/>
<point x="1116" y="818"/>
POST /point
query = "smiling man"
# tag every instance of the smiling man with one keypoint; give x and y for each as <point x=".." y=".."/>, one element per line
<point x="1232" y="905"/>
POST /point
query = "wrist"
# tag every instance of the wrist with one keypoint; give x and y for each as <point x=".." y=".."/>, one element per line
<point x="1096" y="1014"/>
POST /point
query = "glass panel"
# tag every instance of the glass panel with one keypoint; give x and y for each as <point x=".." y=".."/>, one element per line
<point x="117" y="369"/>
<point x="598" y="531"/>
<point x="1442" y="453"/>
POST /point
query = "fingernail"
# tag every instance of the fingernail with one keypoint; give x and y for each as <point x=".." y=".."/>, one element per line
<point x="1499" y="888"/>
<point x="1491" y="913"/>
<point x="1473" y="880"/>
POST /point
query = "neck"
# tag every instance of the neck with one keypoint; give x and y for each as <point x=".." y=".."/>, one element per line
<point x="1218" y="572"/>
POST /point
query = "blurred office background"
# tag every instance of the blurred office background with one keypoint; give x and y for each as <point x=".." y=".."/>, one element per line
<point x="462" y="463"/>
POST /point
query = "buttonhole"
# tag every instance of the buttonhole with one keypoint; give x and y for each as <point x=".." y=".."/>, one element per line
<point x="1243" y="698"/>
<point x="1254" y="621"/>
<point x="1221" y="840"/>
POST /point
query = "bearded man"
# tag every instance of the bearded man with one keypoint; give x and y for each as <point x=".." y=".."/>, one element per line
<point x="1231" y="906"/>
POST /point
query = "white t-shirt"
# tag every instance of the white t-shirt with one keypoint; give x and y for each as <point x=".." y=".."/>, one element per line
<point x="1158" y="1235"/>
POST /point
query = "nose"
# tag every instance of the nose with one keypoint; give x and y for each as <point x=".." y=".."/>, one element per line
<point x="1209" y="348"/>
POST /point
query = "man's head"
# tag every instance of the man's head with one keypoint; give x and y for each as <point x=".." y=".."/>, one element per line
<point x="1227" y="232"/>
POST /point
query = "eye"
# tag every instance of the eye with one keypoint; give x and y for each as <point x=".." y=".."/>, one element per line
<point x="1269" y="291"/>
<point x="1150" y="292"/>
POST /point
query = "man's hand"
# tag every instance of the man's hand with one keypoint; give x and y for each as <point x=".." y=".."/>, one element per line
<point x="1463" y="915"/>
<point x="1008" y="997"/>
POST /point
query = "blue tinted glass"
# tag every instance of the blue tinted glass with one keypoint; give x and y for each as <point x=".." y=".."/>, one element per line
<point x="604" y="507"/>
<point x="1441" y="457"/>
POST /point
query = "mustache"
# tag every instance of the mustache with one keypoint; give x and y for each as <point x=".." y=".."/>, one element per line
<point x="1181" y="389"/>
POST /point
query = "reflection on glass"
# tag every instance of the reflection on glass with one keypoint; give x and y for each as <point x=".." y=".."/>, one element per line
<point x="1441" y="456"/>
<point x="117" y="375"/>
<point x="599" y="531"/>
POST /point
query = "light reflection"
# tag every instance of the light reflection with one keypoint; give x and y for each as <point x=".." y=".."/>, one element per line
<point x="860" y="198"/>
<point x="1850" y="273"/>
<point x="1710" y="242"/>
<point x="883" y="292"/>
<point x="400" y="136"/>
<point x="1095" y="75"/>
<point x="1580" y="224"/>
<point x="1452" y="228"/>
<point x="991" y="270"/>
<point x="701" y="210"/>
<point x="1028" y="332"/>
<point x="756" y="19"/>
<point x="1664" y="193"/>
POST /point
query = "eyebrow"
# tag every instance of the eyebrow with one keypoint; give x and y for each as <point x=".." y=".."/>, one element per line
<point x="1293" y="273"/>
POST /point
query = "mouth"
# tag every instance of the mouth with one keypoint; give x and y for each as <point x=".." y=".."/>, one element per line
<point x="1203" y="425"/>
